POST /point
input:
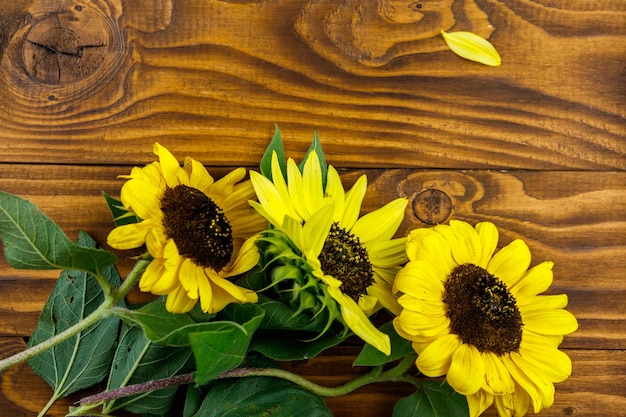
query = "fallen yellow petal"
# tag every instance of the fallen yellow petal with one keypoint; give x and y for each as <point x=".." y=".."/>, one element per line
<point x="470" y="46"/>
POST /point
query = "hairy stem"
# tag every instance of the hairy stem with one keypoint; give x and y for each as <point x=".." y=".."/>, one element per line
<point x="376" y="375"/>
<point x="98" y="314"/>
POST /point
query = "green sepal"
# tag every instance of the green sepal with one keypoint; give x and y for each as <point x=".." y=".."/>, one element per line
<point x="276" y="145"/>
<point x="316" y="147"/>
<point x="121" y="216"/>
<point x="33" y="241"/>
<point x="400" y="347"/>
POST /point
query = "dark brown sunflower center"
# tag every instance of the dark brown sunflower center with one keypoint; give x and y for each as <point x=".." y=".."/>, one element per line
<point x="197" y="226"/>
<point x="482" y="311"/>
<point x="346" y="259"/>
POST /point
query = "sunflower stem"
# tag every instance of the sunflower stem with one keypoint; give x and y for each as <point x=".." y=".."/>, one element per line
<point x="98" y="314"/>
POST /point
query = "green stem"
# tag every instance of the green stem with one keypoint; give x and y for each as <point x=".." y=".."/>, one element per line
<point x="101" y="312"/>
<point x="374" y="376"/>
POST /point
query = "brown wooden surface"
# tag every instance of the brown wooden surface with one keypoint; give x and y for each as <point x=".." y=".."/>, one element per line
<point x="537" y="145"/>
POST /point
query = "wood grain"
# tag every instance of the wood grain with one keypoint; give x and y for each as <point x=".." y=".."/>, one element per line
<point x="537" y="145"/>
<point x="389" y="87"/>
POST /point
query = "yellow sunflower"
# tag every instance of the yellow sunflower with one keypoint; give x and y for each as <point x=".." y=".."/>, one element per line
<point x="355" y="258"/>
<point x="199" y="231"/>
<point x="477" y="317"/>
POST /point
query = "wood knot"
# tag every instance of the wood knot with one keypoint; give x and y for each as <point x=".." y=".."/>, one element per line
<point x="432" y="206"/>
<point x="65" y="47"/>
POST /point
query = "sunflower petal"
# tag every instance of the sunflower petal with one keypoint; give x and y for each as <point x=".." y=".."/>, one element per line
<point x="511" y="262"/>
<point x="353" y="200"/>
<point x="178" y="302"/>
<point x="470" y="46"/>
<point x="358" y="322"/>
<point x="467" y="370"/>
<point x="380" y="224"/>
<point x="169" y="165"/>
<point x="436" y="358"/>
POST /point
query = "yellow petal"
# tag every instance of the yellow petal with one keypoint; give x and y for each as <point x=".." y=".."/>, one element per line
<point x="178" y="303"/>
<point x="358" y="322"/>
<point x="536" y="280"/>
<point x="188" y="276"/>
<point x="336" y="194"/>
<point x="479" y="402"/>
<point x="169" y="165"/>
<point x="488" y="236"/>
<point x="130" y="236"/>
<point x="143" y="198"/>
<point x="430" y="246"/>
<point x="199" y="177"/>
<point x="316" y="230"/>
<point x="247" y="257"/>
<point x="511" y="262"/>
<point x="388" y="253"/>
<point x="381" y="224"/>
<point x="312" y="183"/>
<point x="552" y="322"/>
<point x="467" y="370"/>
<point x="419" y="280"/>
<point x="353" y="200"/>
<point x="226" y="185"/>
<point x="470" y="46"/>
<point x="271" y="204"/>
<point x="436" y="358"/>
<point x="416" y="324"/>
<point x="497" y="378"/>
<point x="555" y="365"/>
<point x="463" y="240"/>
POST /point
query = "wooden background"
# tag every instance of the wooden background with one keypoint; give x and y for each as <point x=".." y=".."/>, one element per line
<point x="537" y="145"/>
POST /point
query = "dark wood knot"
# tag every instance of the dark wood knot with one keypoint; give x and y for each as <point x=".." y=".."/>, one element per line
<point x="65" y="47"/>
<point x="432" y="206"/>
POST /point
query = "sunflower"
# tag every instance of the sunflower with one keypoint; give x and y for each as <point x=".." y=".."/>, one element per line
<point x="199" y="231"/>
<point x="354" y="259"/>
<point x="477" y="318"/>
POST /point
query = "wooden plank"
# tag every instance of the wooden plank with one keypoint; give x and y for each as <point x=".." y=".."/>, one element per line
<point x="571" y="218"/>
<point x="596" y="384"/>
<point x="379" y="80"/>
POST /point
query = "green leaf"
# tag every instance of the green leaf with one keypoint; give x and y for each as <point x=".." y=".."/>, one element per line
<point x="293" y="345"/>
<point x="435" y="399"/>
<point x="82" y="360"/>
<point x="193" y="401"/>
<point x="157" y="323"/>
<point x="225" y="345"/>
<point x="33" y="241"/>
<point x="400" y="347"/>
<point x="316" y="147"/>
<point x="121" y="216"/>
<point x="276" y="145"/>
<point x="261" y="396"/>
<point x="137" y="360"/>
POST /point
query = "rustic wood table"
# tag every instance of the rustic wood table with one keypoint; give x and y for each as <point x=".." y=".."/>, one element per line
<point x="536" y="146"/>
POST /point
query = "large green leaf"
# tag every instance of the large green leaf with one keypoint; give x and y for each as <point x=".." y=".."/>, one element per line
<point x="261" y="396"/>
<point x="276" y="145"/>
<point x="225" y="346"/>
<point x="33" y="241"/>
<point x="82" y="360"/>
<point x="400" y="347"/>
<point x="137" y="360"/>
<point x="434" y="399"/>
